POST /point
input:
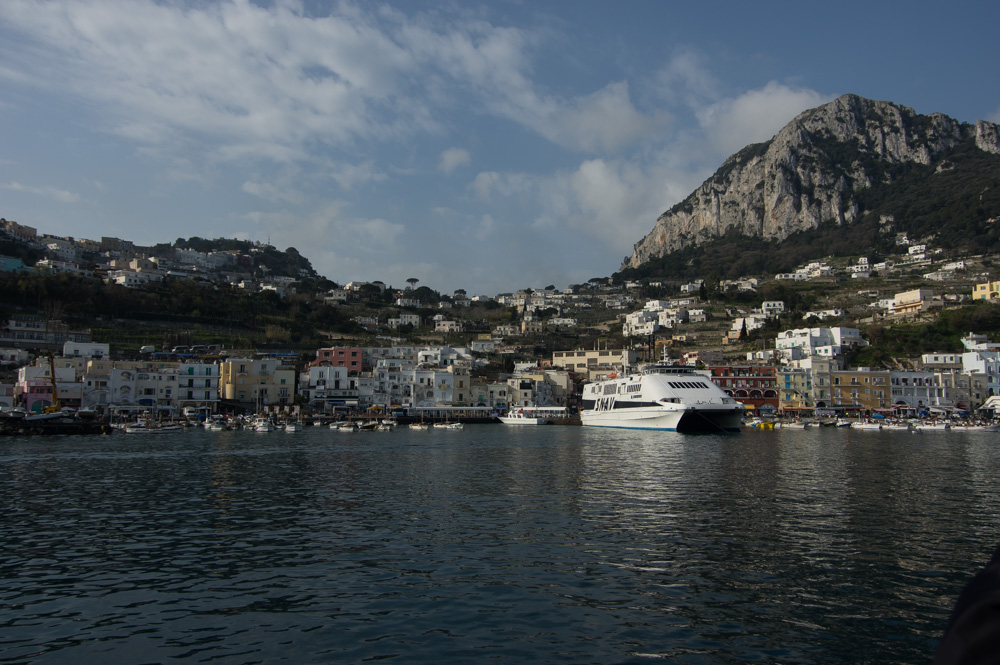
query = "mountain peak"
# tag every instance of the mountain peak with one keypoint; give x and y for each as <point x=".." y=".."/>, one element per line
<point x="810" y="173"/>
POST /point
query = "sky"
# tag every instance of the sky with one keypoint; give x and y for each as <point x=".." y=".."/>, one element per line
<point x="482" y="146"/>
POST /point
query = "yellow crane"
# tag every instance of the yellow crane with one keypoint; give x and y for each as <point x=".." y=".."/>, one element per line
<point x="52" y="408"/>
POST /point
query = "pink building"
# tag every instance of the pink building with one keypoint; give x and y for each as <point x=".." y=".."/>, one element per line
<point x="351" y="358"/>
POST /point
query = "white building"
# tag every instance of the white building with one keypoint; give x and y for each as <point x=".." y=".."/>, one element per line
<point x="55" y="265"/>
<point x="86" y="349"/>
<point x="772" y="308"/>
<point x="404" y="319"/>
<point x="447" y="326"/>
<point x="327" y="388"/>
<point x="641" y="323"/>
<point x="131" y="279"/>
<point x="482" y="346"/>
<point x="752" y="321"/>
<point x="828" y="342"/>
<point x="917" y="390"/>
<point x="693" y="287"/>
<point x="13" y="356"/>
<point x="197" y="386"/>
<point x="985" y="364"/>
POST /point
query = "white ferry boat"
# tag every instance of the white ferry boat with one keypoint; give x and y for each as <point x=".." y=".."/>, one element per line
<point x="662" y="397"/>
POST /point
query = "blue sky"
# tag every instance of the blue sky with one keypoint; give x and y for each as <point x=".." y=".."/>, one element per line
<point x="478" y="146"/>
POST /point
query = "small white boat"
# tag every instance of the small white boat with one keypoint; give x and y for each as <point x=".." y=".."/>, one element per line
<point x="866" y="426"/>
<point x="293" y="427"/>
<point x="523" y="417"/>
<point x="931" y="426"/>
<point x="262" y="425"/>
<point x="420" y="425"/>
<point x="344" y="427"/>
<point x="449" y="426"/>
<point x="216" y="425"/>
<point x="153" y="428"/>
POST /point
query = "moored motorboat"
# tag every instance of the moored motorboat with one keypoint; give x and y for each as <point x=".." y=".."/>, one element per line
<point x="216" y="425"/>
<point x="523" y="416"/>
<point x="142" y="427"/>
<point x="261" y="424"/>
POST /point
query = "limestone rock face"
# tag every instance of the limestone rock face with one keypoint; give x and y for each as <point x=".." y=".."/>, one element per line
<point x="808" y="173"/>
<point x="988" y="136"/>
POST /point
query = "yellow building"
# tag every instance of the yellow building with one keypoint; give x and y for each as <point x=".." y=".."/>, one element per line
<point x="862" y="388"/>
<point x="582" y="360"/>
<point x="259" y="382"/>
<point x="986" y="291"/>
<point x="914" y="302"/>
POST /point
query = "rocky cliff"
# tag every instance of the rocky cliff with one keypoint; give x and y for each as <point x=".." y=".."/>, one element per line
<point x="809" y="173"/>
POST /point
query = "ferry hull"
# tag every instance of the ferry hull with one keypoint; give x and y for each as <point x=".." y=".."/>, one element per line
<point x="674" y="420"/>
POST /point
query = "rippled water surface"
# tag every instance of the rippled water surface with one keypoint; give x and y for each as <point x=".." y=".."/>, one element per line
<point x="494" y="543"/>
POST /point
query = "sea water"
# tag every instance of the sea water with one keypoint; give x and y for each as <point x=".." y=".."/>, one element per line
<point x="490" y="544"/>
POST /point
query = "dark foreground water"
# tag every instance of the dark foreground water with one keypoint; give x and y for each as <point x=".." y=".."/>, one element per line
<point x="491" y="544"/>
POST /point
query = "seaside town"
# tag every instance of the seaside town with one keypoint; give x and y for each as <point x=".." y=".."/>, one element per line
<point x="792" y="376"/>
<point x="796" y="375"/>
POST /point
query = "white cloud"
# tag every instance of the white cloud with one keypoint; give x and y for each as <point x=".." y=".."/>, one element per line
<point x="273" y="192"/>
<point x="60" y="195"/>
<point x="452" y="158"/>
<point x="242" y="76"/>
<point x="687" y="80"/>
<point x="603" y="121"/>
<point x="756" y="115"/>
<point x="995" y="116"/>
<point x="349" y="176"/>
<point x="611" y="202"/>
<point x="614" y="202"/>
<point x="492" y="183"/>
<point x="247" y="81"/>
<point x="494" y="64"/>
<point x="484" y="229"/>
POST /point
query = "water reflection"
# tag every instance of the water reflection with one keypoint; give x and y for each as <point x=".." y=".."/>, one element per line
<point x="552" y="544"/>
